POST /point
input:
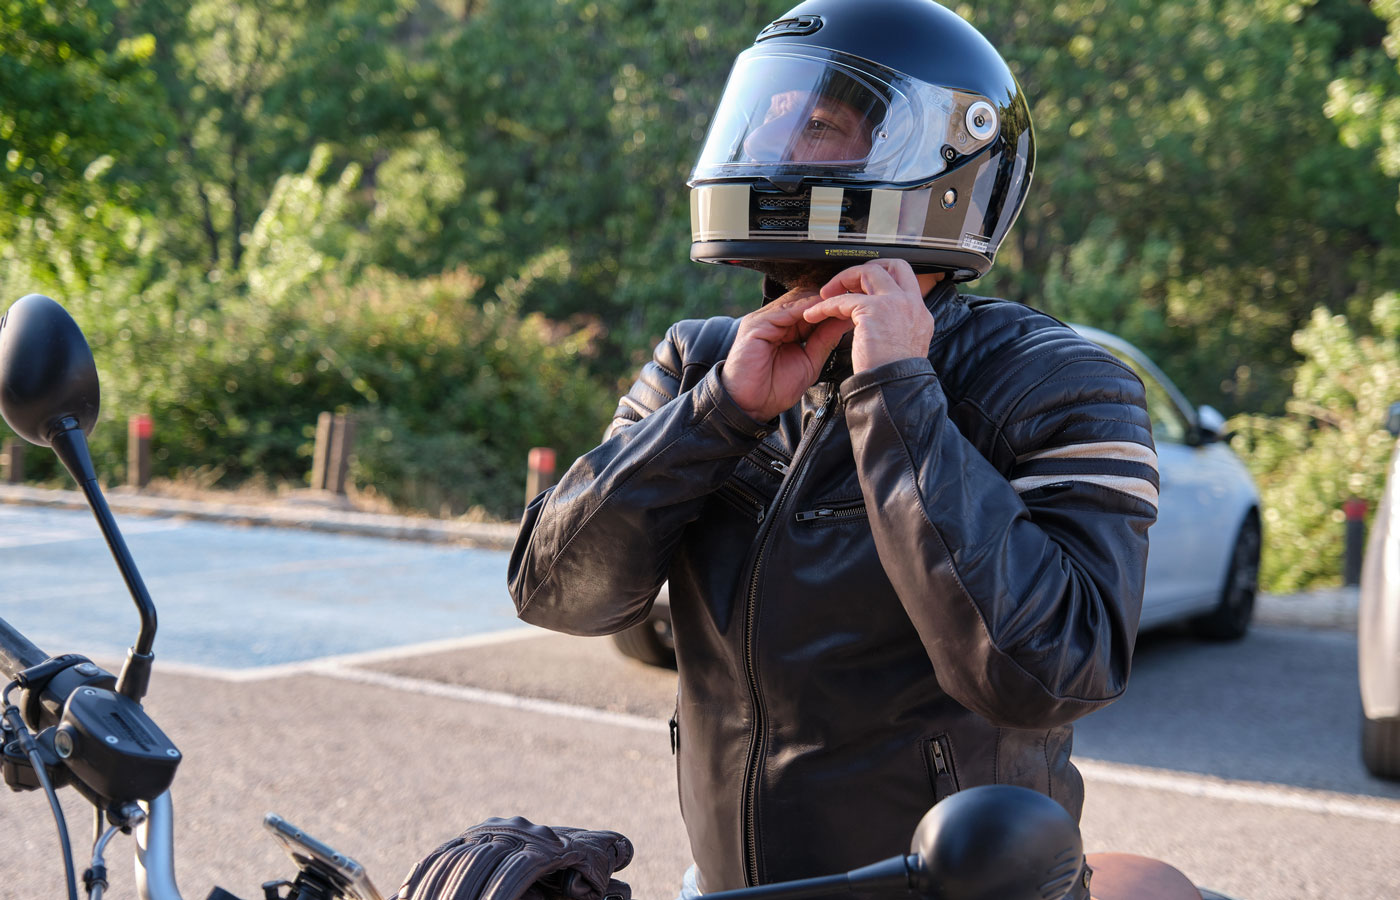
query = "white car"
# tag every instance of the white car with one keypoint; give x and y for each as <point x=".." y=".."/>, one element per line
<point x="1378" y="628"/>
<point x="1203" y="553"/>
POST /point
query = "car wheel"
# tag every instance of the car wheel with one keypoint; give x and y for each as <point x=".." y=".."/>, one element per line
<point x="649" y="642"/>
<point x="1380" y="746"/>
<point x="1230" y="619"/>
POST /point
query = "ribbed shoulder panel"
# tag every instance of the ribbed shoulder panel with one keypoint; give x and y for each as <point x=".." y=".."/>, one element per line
<point x="690" y="348"/>
<point x="1020" y="382"/>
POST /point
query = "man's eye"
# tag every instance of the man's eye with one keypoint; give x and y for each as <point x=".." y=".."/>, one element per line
<point x="820" y="128"/>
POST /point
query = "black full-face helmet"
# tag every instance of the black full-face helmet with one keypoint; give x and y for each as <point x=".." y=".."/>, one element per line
<point x="864" y="129"/>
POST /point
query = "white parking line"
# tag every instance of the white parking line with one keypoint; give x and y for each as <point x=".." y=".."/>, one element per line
<point x="1303" y="799"/>
<point x="88" y="532"/>
<point x="335" y="665"/>
<point x="493" y="698"/>
<point x="1330" y="803"/>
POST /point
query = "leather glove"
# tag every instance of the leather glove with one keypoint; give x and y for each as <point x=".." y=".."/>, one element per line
<point x="514" y="859"/>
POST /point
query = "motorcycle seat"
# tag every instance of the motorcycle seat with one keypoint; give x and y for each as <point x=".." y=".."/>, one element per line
<point x="1124" y="876"/>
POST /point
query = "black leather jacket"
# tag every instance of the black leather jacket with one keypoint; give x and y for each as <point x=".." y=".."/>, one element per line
<point x="909" y="583"/>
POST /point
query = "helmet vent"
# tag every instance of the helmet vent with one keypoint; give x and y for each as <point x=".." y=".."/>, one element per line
<point x="793" y="26"/>
<point x="770" y="203"/>
<point x="787" y="212"/>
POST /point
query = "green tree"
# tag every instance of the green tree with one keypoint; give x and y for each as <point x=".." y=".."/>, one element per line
<point x="1328" y="447"/>
<point x="1198" y="126"/>
<point x="75" y="89"/>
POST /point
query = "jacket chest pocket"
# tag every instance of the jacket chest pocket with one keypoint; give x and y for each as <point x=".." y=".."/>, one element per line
<point x="756" y="481"/>
<point x="942" y="771"/>
<point x="833" y="512"/>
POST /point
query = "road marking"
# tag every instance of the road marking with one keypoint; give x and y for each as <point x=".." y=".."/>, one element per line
<point x="493" y="698"/>
<point x="334" y="665"/>
<point x="61" y="534"/>
<point x="1302" y="799"/>
<point x="1329" y="803"/>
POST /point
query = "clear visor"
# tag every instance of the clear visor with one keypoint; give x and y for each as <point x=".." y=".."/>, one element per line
<point x="806" y="111"/>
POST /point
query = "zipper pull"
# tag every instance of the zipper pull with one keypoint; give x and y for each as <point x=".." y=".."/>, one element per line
<point x="779" y="466"/>
<point x="940" y="764"/>
<point x="815" y="514"/>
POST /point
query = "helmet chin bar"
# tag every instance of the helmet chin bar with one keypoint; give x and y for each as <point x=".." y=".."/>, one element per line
<point x="962" y="265"/>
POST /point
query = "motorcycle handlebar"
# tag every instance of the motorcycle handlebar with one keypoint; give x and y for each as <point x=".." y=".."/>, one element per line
<point x="17" y="653"/>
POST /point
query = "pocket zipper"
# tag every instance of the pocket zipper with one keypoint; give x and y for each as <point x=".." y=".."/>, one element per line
<point x="940" y="763"/>
<point x="744" y="500"/>
<point x="836" y="511"/>
<point x="775" y="461"/>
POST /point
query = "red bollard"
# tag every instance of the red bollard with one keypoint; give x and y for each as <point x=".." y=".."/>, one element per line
<point x="540" y="474"/>
<point x="138" y="450"/>
<point x="1355" y="549"/>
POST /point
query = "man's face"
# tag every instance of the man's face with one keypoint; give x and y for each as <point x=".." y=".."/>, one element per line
<point x="801" y="126"/>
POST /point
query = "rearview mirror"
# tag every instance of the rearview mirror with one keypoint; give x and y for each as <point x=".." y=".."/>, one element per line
<point x="997" y="842"/>
<point x="1210" y="424"/>
<point x="47" y="373"/>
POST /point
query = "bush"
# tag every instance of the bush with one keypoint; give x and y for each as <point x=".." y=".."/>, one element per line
<point x="1330" y="446"/>
<point x="452" y="384"/>
<point x="451" y="391"/>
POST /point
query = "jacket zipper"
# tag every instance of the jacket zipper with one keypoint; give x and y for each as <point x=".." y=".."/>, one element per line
<point x="757" y="510"/>
<point x="944" y="780"/>
<point x="775" y="461"/>
<point x="852" y="510"/>
<point x="750" y="670"/>
<point x="940" y="763"/>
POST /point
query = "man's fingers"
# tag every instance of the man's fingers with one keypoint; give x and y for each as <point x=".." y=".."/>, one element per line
<point x="903" y="275"/>
<point x="841" y="306"/>
<point x="824" y="339"/>
<point x="776" y="318"/>
<point x="879" y="276"/>
<point x="785" y="311"/>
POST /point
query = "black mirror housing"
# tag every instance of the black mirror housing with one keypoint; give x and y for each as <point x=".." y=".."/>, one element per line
<point x="47" y="373"/>
<point x="997" y="842"/>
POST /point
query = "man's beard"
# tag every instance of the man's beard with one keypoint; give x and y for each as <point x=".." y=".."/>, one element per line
<point x="808" y="276"/>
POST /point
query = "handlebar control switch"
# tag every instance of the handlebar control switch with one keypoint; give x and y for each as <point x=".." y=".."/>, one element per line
<point x="114" y="749"/>
<point x="49" y="684"/>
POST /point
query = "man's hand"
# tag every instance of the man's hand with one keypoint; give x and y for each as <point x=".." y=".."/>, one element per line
<point x="884" y="302"/>
<point x="778" y="354"/>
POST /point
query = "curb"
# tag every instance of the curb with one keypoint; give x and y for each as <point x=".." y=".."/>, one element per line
<point x="1332" y="608"/>
<point x="404" y="528"/>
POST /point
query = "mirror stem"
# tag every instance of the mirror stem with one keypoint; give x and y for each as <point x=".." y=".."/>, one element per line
<point x="71" y="446"/>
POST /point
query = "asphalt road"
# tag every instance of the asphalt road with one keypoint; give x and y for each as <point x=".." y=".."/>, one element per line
<point x="380" y="695"/>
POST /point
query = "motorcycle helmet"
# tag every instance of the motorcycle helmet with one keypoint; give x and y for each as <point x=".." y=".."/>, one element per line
<point x="861" y="129"/>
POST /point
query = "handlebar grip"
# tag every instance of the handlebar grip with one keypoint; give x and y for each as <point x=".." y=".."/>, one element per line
<point x="16" y="651"/>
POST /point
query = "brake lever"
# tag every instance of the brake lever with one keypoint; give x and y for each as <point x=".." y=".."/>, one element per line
<point x="16" y="761"/>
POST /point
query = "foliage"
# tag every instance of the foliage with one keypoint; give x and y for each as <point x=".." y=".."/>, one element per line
<point x="1190" y="134"/>
<point x="1330" y="446"/>
<point x="77" y="102"/>
<point x="202" y="181"/>
<point x="575" y="123"/>
<point x="452" y="388"/>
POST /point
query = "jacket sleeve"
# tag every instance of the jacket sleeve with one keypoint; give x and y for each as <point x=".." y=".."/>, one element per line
<point x="1026" y="587"/>
<point x="593" y="551"/>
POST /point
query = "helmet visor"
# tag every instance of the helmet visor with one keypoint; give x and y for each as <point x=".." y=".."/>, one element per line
<point x="795" y="111"/>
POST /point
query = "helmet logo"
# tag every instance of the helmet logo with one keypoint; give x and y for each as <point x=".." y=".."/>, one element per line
<point x="796" y="25"/>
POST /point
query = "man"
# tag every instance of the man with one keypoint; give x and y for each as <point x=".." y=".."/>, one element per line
<point x="904" y="530"/>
